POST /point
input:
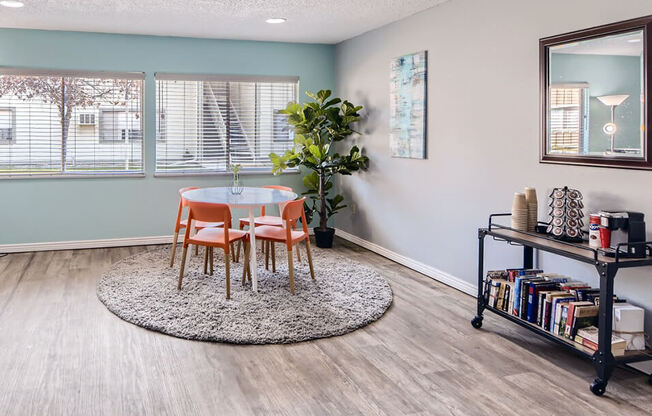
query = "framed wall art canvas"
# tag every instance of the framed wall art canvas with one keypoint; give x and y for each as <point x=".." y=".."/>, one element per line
<point x="408" y="101"/>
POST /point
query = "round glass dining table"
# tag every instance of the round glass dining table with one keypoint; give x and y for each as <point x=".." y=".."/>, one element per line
<point x="249" y="199"/>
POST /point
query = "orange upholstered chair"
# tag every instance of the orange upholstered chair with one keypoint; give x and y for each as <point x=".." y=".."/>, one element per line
<point x="212" y="237"/>
<point x="292" y="211"/>
<point x="179" y="224"/>
<point x="270" y="220"/>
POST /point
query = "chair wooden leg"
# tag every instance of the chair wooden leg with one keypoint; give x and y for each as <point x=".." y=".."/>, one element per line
<point x="210" y="258"/>
<point x="309" y="253"/>
<point x="245" y="266"/>
<point x="174" y="247"/>
<point x="206" y="250"/>
<point x="298" y="254"/>
<point x="273" y="249"/>
<point x="183" y="266"/>
<point x="196" y="250"/>
<point x="237" y="253"/>
<point x="291" y="270"/>
<point x="227" y="268"/>
<point x="233" y="253"/>
<point x="266" y="249"/>
<point x="249" y="264"/>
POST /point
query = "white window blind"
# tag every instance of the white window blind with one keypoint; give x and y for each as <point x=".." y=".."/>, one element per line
<point x="567" y="109"/>
<point x="206" y="124"/>
<point x="70" y="123"/>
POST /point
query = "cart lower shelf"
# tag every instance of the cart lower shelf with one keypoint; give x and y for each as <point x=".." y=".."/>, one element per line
<point x="628" y="357"/>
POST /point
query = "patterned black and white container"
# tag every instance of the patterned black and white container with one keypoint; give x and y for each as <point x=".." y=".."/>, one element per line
<point x="566" y="215"/>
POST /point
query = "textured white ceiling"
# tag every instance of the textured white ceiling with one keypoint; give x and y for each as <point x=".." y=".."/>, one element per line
<point x="322" y="21"/>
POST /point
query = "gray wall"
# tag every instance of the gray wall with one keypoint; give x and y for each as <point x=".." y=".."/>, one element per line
<point x="483" y="66"/>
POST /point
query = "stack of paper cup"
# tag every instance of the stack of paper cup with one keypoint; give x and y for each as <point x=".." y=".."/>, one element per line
<point x="519" y="212"/>
<point x="532" y="209"/>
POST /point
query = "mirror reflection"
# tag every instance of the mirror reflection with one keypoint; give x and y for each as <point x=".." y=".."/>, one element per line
<point x="595" y="97"/>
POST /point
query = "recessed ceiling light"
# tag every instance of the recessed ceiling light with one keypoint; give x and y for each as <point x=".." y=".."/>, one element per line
<point x="633" y="40"/>
<point x="12" y="3"/>
<point x="276" y="20"/>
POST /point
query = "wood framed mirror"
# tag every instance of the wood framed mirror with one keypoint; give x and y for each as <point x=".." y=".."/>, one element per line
<point x="595" y="91"/>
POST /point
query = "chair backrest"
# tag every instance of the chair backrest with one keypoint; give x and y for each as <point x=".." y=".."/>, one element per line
<point x="208" y="212"/>
<point x="280" y="188"/>
<point x="294" y="210"/>
<point x="183" y="202"/>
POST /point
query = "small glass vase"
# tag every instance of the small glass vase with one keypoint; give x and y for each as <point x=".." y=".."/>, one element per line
<point x="236" y="188"/>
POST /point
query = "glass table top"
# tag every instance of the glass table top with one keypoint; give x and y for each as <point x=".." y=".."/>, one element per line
<point x="250" y="196"/>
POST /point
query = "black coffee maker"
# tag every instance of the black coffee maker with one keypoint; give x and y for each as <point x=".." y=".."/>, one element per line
<point x="626" y="227"/>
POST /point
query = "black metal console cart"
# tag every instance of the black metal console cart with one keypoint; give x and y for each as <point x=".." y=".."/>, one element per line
<point x="607" y="268"/>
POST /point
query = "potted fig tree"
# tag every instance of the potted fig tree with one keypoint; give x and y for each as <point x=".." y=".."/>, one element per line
<point x="317" y="126"/>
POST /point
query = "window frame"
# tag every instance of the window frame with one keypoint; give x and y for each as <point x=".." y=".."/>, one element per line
<point x="13" y="126"/>
<point x="61" y="174"/>
<point x="158" y="76"/>
<point x="126" y="136"/>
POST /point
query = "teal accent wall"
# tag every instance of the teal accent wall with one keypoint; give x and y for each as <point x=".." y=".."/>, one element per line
<point x="606" y="75"/>
<point x="69" y="209"/>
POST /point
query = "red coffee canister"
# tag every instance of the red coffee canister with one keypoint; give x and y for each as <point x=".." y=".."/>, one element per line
<point x="605" y="237"/>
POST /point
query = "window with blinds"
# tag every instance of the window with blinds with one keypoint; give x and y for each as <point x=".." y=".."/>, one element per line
<point x="205" y="124"/>
<point x="567" y="118"/>
<point x="70" y="123"/>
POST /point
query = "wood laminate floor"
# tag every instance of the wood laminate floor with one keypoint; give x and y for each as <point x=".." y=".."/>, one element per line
<point x="63" y="353"/>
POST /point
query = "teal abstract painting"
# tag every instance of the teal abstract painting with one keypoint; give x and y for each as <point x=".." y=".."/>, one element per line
<point x="408" y="99"/>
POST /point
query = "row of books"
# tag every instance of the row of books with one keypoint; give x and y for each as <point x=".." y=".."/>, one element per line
<point x="554" y="302"/>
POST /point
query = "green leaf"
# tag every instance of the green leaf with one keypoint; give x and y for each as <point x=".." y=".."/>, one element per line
<point x="314" y="149"/>
<point x="311" y="181"/>
<point x="322" y="95"/>
<point x="332" y="102"/>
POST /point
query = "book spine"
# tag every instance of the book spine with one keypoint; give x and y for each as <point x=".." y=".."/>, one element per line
<point x="562" y="321"/>
<point x="530" y="303"/>
<point x="569" y="321"/>
<point x="555" y="329"/>
<point x="486" y="290"/>
<point x="501" y="296"/>
<point x="590" y="344"/>
<point x="523" y="301"/>
<point x="546" y="314"/>
<point x="540" y="303"/>
<point x="517" y="291"/>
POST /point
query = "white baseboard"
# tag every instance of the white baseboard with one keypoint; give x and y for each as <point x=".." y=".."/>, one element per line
<point x="432" y="272"/>
<point x="82" y="244"/>
<point x="422" y="268"/>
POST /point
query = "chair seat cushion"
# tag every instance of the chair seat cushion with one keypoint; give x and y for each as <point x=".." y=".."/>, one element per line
<point x="216" y="236"/>
<point x="202" y="224"/>
<point x="272" y="233"/>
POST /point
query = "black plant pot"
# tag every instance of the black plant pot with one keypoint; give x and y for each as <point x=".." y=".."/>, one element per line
<point x="324" y="237"/>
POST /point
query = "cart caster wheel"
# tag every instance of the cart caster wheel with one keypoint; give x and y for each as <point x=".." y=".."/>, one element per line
<point x="477" y="322"/>
<point x="598" y="387"/>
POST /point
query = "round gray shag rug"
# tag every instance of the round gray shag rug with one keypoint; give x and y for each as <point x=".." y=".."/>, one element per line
<point x="346" y="295"/>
